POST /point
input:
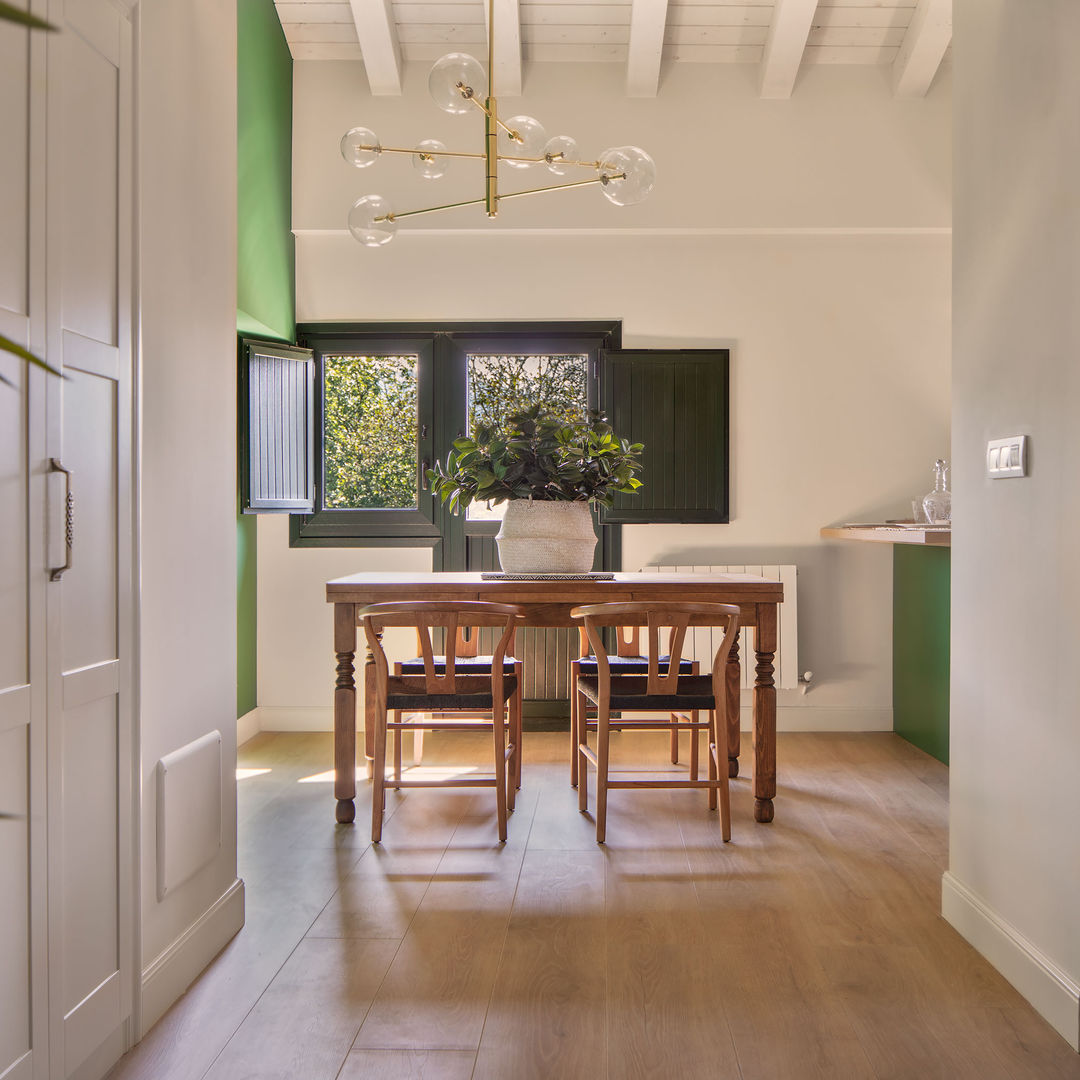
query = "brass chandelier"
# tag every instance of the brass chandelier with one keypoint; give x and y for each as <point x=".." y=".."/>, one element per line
<point x="625" y="174"/>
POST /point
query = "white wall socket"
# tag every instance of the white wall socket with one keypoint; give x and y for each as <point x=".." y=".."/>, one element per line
<point x="1006" y="457"/>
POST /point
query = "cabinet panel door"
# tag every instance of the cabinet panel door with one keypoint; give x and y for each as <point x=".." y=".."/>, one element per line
<point x="89" y="418"/>
<point x="23" y="926"/>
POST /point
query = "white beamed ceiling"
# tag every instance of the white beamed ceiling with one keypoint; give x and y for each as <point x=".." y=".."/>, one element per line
<point x="911" y="36"/>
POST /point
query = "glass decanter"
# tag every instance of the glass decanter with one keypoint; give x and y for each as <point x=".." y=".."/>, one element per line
<point x="937" y="505"/>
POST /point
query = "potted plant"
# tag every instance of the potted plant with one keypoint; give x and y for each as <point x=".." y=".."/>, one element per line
<point x="550" y="470"/>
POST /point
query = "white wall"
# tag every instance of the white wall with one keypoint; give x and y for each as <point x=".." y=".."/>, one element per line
<point x="187" y="281"/>
<point x="808" y="236"/>
<point x="1014" y="878"/>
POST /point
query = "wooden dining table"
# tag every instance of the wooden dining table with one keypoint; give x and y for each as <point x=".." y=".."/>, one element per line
<point x="548" y="603"/>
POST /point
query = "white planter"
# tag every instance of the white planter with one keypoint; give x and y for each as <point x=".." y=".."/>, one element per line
<point x="546" y="538"/>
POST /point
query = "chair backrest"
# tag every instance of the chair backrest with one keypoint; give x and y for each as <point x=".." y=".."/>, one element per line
<point x="466" y="642"/>
<point x="676" y="617"/>
<point x="451" y="616"/>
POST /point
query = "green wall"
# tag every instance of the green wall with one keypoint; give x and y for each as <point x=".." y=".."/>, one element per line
<point x="265" y="279"/>
<point x="921" y="586"/>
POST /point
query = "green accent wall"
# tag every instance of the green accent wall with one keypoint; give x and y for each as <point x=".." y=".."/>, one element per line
<point x="265" y="278"/>
<point x="921" y="581"/>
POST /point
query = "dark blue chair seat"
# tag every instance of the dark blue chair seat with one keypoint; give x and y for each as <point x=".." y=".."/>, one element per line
<point x="632" y="665"/>
<point x="479" y="665"/>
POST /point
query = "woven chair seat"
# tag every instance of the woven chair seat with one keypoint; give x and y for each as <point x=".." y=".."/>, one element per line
<point x="417" y="701"/>
<point x="628" y="692"/>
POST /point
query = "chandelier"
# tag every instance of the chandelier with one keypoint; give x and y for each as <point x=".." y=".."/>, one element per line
<point x="624" y="174"/>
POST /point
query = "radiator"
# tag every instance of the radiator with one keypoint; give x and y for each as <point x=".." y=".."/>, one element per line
<point x="786" y="662"/>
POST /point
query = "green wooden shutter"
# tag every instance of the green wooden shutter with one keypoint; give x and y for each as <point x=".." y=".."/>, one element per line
<point x="675" y="401"/>
<point x="276" y="427"/>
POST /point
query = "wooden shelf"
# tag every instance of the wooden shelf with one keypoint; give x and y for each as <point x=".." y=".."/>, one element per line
<point x="936" y="536"/>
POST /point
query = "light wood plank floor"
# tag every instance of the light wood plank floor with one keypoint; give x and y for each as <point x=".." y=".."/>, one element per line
<point x="809" y="948"/>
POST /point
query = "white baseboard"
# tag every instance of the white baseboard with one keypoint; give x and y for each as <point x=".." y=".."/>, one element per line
<point x="1051" y="992"/>
<point x="788" y="718"/>
<point x="247" y="726"/>
<point x="177" y="967"/>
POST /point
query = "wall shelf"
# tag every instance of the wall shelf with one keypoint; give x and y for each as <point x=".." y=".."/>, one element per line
<point x="932" y="535"/>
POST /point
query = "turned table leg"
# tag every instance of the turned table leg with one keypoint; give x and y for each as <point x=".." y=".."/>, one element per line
<point x="734" y="706"/>
<point x="345" y="713"/>
<point x="765" y="714"/>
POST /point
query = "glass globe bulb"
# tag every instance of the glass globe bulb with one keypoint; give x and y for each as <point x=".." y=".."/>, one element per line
<point x="558" y="151"/>
<point x="530" y="142"/>
<point x="627" y="175"/>
<point x="427" y="160"/>
<point x="367" y="221"/>
<point x="351" y="147"/>
<point x="455" y="78"/>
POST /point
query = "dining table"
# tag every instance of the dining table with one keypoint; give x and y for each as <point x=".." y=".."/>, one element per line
<point x="547" y="602"/>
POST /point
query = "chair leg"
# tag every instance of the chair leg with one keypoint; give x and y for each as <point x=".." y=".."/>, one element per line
<point x="582" y="760"/>
<point x="720" y="727"/>
<point x="694" y="718"/>
<point x="603" y="733"/>
<point x="713" y="752"/>
<point x="575" y="706"/>
<point x="418" y="746"/>
<point x="517" y="709"/>
<point x="397" y="751"/>
<point x="378" y="777"/>
<point x="498" y="729"/>
<point x="674" y="743"/>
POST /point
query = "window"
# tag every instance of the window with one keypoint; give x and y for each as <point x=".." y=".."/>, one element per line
<point x="341" y="435"/>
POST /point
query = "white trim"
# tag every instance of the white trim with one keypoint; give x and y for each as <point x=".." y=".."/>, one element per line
<point x="247" y="727"/>
<point x="788" y="718"/>
<point x="662" y="231"/>
<point x="1051" y="992"/>
<point x="170" y="973"/>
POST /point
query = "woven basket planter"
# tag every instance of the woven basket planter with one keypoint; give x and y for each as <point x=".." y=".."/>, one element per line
<point x="546" y="538"/>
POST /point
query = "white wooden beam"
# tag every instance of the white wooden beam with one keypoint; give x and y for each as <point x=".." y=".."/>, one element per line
<point x="648" y="19"/>
<point x="928" y="36"/>
<point x="507" y="47"/>
<point x="785" y="46"/>
<point x="377" y="32"/>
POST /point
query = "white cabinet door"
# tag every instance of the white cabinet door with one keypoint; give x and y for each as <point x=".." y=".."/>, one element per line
<point x="23" y="925"/>
<point x="88" y="258"/>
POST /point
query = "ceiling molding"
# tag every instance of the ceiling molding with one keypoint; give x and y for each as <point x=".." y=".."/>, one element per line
<point x="785" y="46"/>
<point x="648" y="20"/>
<point x="507" y="47"/>
<point x="928" y="36"/>
<point x="377" y="31"/>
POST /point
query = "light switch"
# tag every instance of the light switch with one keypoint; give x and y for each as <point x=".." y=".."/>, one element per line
<point x="1006" y="457"/>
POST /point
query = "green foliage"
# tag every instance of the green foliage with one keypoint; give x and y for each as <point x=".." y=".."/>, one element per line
<point x="539" y="456"/>
<point x="500" y="386"/>
<point x="10" y="13"/>
<point x="369" y="439"/>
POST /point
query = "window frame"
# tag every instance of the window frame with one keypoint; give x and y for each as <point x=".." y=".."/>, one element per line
<point x="442" y="404"/>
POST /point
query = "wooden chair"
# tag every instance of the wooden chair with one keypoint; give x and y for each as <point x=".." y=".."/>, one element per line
<point x="467" y="696"/>
<point x="469" y="662"/>
<point x="627" y="660"/>
<point x="662" y="689"/>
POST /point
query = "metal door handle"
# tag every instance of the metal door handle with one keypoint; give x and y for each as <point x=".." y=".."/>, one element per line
<point x="69" y="519"/>
<point x="424" y="466"/>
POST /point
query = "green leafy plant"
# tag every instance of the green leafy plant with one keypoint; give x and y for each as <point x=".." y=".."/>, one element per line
<point x="539" y="456"/>
<point x="8" y="13"/>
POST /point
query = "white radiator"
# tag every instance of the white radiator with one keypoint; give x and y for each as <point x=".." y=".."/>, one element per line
<point x="786" y="662"/>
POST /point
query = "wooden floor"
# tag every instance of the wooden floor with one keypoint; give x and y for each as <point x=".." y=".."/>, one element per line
<point x="811" y="947"/>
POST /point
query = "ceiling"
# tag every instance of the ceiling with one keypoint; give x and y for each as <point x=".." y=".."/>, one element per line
<point x="779" y="36"/>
